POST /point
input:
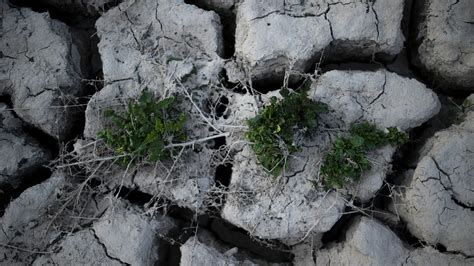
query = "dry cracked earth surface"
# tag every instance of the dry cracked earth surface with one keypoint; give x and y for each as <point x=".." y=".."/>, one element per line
<point x="395" y="63"/>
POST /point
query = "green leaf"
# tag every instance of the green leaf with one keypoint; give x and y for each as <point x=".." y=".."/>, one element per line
<point x="156" y="150"/>
<point x="143" y="128"/>
<point x="159" y="127"/>
<point x="396" y="137"/>
<point x="284" y="92"/>
<point x="357" y="141"/>
<point x="151" y="137"/>
<point x="166" y="103"/>
<point x="145" y="97"/>
<point x="109" y="113"/>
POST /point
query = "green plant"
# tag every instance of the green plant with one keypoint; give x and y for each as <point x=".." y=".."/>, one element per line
<point x="461" y="111"/>
<point x="348" y="157"/>
<point x="467" y="105"/>
<point x="144" y="129"/>
<point x="271" y="131"/>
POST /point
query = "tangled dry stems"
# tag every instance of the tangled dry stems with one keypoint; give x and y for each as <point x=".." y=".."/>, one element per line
<point x="94" y="165"/>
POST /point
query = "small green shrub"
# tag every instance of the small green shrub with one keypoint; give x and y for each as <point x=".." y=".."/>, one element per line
<point x="460" y="112"/>
<point x="374" y="137"/>
<point x="144" y="129"/>
<point x="271" y="131"/>
<point x="348" y="157"/>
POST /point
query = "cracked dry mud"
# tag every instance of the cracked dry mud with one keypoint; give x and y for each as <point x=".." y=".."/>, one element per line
<point x="394" y="63"/>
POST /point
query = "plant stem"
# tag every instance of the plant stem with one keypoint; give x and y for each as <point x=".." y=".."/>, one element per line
<point x="189" y="143"/>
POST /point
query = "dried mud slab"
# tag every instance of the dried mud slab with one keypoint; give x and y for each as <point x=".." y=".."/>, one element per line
<point x="438" y="201"/>
<point x="20" y="154"/>
<point x="40" y="69"/>
<point x="445" y="43"/>
<point x="269" y="34"/>
<point x="369" y="242"/>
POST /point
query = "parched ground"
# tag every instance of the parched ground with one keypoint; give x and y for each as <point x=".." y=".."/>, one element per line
<point x="65" y="199"/>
